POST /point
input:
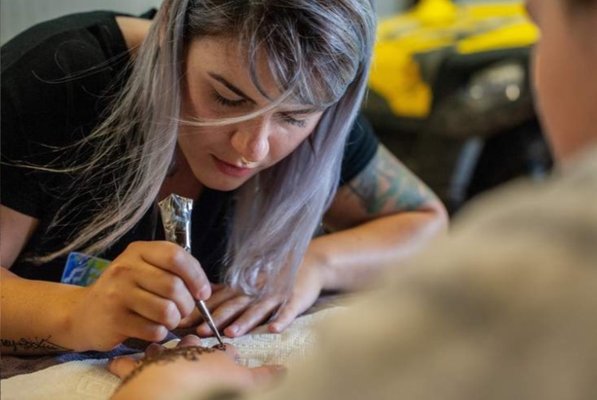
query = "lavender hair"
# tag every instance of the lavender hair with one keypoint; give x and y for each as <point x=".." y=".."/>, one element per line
<point x="319" y="53"/>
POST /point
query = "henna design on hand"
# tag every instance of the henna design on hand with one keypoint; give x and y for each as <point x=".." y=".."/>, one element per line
<point x="190" y="353"/>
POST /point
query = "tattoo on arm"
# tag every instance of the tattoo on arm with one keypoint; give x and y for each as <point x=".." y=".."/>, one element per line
<point x="32" y="345"/>
<point x="387" y="184"/>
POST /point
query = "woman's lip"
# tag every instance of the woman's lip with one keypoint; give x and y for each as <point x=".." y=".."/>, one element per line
<point x="231" y="169"/>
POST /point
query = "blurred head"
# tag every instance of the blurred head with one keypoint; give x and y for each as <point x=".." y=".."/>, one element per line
<point x="564" y="67"/>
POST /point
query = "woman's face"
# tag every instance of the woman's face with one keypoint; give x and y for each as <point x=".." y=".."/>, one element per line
<point x="217" y="85"/>
<point x="565" y="64"/>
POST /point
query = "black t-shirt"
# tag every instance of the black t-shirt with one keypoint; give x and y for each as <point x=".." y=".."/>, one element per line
<point x="57" y="79"/>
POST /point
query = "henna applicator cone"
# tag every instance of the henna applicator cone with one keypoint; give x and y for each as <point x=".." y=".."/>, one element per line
<point x="176" y="217"/>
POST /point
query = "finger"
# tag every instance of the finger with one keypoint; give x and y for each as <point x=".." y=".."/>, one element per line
<point x="225" y="313"/>
<point x="252" y="317"/>
<point x="194" y="318"/>
<point x="168" y="286"/>
<point x="286" y="314"/>
<point x="189" y="340"/>
<point x="173" y="258"/>
<point x="153" y="308"/>
<point x="122" y="366"/>
<point x="217" y="298"/>
<point x="135" y="326"/>
<point x="221" y="296"/>
<point x="153" y="350"/>
<point x="217" y="286"/>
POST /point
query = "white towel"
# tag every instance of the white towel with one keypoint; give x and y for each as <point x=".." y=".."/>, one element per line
<point x="89" y="379"/>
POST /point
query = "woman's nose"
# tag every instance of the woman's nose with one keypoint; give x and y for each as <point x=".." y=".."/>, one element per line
<point x="251" y="139"/>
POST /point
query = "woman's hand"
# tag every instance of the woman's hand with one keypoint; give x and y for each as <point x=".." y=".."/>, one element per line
<point x="236" y="314"/>
<point x="171" y="375"/>
<point x="144" y="293"/>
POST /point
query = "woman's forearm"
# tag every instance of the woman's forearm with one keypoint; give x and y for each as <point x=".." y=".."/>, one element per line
<point x="35" y="315"/>
<point x="352" y="258"/>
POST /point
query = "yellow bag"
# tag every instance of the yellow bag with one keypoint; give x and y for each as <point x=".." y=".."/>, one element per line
<point x="455" y="68"/>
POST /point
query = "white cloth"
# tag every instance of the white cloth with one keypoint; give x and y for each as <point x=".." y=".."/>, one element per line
<point x="82" y="380"/>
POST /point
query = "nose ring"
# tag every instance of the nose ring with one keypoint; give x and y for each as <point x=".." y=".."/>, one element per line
<point x="244" y="162"/>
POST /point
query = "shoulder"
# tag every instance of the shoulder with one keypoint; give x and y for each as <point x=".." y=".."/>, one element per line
<point x="56" y="74"/>
<point x="42" y="59"/>
<point x="360" y="148"/>
<point x="361" y="131"/>
<point x="60" y="37"/>
<point x="134" y="30"/>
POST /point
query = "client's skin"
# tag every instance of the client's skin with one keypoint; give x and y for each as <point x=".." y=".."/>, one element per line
<point x="211" y="369"/>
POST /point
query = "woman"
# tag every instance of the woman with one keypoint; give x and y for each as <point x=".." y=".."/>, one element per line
<point x="245" y="107"/>
<point x="503" y="309"/>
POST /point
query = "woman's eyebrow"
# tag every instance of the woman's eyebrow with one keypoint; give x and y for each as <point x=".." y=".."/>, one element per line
<point x="230" y="86"/>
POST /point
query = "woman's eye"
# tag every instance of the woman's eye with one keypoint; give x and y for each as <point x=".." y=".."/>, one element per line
<point x="301" y="123"/>
<point x="227" y="102"/>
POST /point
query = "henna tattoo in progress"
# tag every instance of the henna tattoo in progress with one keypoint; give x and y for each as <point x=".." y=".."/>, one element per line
<point x="27" y="344"/>
<point x="166" y="356"/>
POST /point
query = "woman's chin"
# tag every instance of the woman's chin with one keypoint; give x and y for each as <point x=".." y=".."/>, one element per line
<point x="225" y="185"/>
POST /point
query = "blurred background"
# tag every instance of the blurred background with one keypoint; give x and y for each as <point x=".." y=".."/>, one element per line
<point x="17" y="15"/>
<point x="449" y="89"/>
<point x="450" y="95"/>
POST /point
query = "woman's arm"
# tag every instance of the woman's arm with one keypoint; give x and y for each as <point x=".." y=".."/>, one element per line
<point x="379" y="219"/>
<point x="33" y="317"/>
<point x="143" y="293"/>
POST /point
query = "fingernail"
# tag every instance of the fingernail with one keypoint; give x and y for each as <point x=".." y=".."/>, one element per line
<point x="232" y="330"/>
<point x="205" y="293"/>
